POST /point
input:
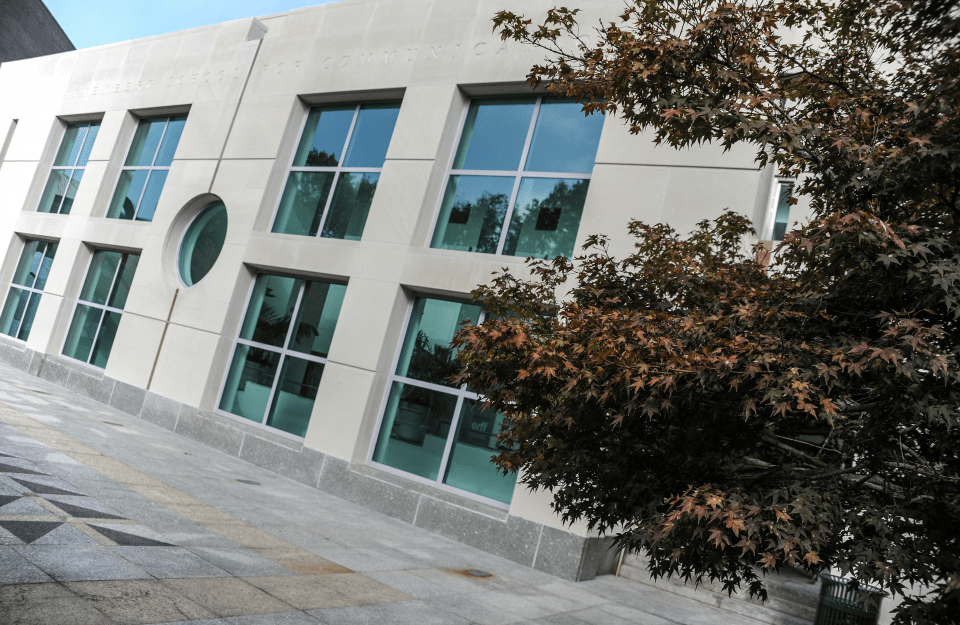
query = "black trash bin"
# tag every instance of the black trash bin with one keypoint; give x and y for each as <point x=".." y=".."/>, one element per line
<point x="840" y="605"/>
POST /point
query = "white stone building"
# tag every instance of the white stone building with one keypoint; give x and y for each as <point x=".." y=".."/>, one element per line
<point x="261" y="234"/>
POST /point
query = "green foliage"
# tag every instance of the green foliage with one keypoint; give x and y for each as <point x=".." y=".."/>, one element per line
<point x="720" y="416"/>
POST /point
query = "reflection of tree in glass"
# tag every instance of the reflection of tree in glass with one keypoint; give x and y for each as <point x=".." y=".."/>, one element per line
<point x="493" y="206"/>
<point x="564" y="196"/>
<point x="319" y="158"/>
<point x="351" y="204"/>
<point x="271" y="329"/>
<point x="434" y="363"/>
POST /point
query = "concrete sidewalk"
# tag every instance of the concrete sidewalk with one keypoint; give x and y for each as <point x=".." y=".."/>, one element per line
<point x="105" y="518"/>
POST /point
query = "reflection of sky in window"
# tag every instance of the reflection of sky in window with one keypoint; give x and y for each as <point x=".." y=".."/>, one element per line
<point x="170" y="140"/>
<point x="371" y="136"/>
<point x="494" y="134"/>
<point x="331" y="127"/>
<point x="564" y="139"/>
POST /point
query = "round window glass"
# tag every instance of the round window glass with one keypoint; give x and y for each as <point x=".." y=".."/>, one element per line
<point x="202" y="243"/>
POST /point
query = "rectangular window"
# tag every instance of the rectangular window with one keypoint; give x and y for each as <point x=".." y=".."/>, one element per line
<point x="281" y="351"/>
<point x="519" y="178"/>
<point x="146" y="168"/>
<point x="778" y="212"/>
<point x="68" y="168"/>
<point x="431" y="428"/>
<point x="99" y="307"/>
<point x="335" y="171"/>
<point x="26" y="288"/>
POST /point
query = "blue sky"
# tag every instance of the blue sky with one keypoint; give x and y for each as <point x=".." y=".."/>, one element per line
<point x="91" y="23"/>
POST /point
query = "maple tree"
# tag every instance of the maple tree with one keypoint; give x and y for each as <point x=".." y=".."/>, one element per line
<point x="723" y="417"/>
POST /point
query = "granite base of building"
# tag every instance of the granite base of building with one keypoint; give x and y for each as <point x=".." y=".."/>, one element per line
<point x="490" y="529"/>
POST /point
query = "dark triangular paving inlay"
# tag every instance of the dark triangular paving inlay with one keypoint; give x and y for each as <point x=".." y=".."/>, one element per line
<point x="29" y="531"/>
<point x="43" y="489"/>
<point x="83" y="513"/>
<point x="9" y="468"/>
<point x="129" y="540"/>
<point x="5" y="499"/>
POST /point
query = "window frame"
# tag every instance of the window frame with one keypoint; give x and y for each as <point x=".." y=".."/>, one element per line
<point x="337" y="170"/>
<point x="773" y="200"/>
<point x="461" y="394"/>
<point x="104" y="308"/>
<point x="72" y="168"/>
<point x="32" y="288"/>
<point x="518" y="175"/>
<point x="284" y="351"/>
<point x="148" y="168"/>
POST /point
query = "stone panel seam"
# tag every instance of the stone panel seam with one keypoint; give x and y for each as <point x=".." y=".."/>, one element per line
<point x="536" y="551"/>
<point x="323" y="465"/>
<point x="417" y="511"/>
<point x="177" y="422"/>
<point x="243" y="439"/>
<point x="471" y="510"/>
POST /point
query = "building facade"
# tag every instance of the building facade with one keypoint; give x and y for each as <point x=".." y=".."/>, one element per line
<point x="263" y="234"/>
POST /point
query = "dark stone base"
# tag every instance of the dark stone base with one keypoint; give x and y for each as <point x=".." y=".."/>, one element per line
<point x="490" y="529"/>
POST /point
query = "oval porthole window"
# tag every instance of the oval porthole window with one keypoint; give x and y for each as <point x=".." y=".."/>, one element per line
<point x="202" y="242"/>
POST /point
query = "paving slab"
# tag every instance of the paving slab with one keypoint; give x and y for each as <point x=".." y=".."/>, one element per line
<point x="108" y="519"/>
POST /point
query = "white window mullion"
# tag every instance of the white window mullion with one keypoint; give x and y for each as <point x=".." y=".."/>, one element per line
<point x="163" y="133"/>
<point x="454" y="422"/>
<point x="273" y="388"/>
<point x="519" y="177"/>
<point x="291" y="330"/>
<point x="96" y="334"/>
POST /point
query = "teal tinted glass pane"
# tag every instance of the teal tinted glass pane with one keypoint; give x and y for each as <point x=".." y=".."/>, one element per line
<point x="472" y="214"/>
<point x="317" y="318"/>
<point x="296" y="392"/>
<point x="170" y="140"/>
<point x="121" y="287"/>
<point x="29" y="263"/>
<point x="13" y="311"/>
<point x="88" y="142"/>
<point x="371" y="135"/>
<point x="270" y="310"/>
<point x="546" y="217"/>
<point x="127" y="196"/>
<point x="108" y="332"/>
<point x="145" y="142"/>
<point x="49" y="250"/>
<point x="494" y="134"/>
<point x="324" y="137"/>
<point x="247" y="390"/>
<point x="28" y="316"/>
<point x="83" y="330"/>
<point x="202" y="243"/>
<point x="350" y="206"/>
<point x="564" y="140"/>
<point x="302" y="204"/>
<point x="71" y="192"/>
<point x="96" y="287"/>
<point x="782" y="218"/>
<point x="54" y="190"/>
<point x="426" y="353"/>
<point x="471" y="467"/>
<point x="148" y="205"/>
<point x="70" y="145"/>
<point x="414" y="430"/>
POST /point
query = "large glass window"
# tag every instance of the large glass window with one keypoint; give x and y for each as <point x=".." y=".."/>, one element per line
<point x="26" y="288"/>
<point x="335" y="171"/>
<point x="430" y="427"/>
<point x="99" y="307"/>
<point x="281" y="351"/>
<point x="68" y="168"/>
<point x="519" y="178"/>
<point x="146" y="168"/>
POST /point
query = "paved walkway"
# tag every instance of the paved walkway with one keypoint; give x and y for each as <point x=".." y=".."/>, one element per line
<point x="105" y="518"/>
